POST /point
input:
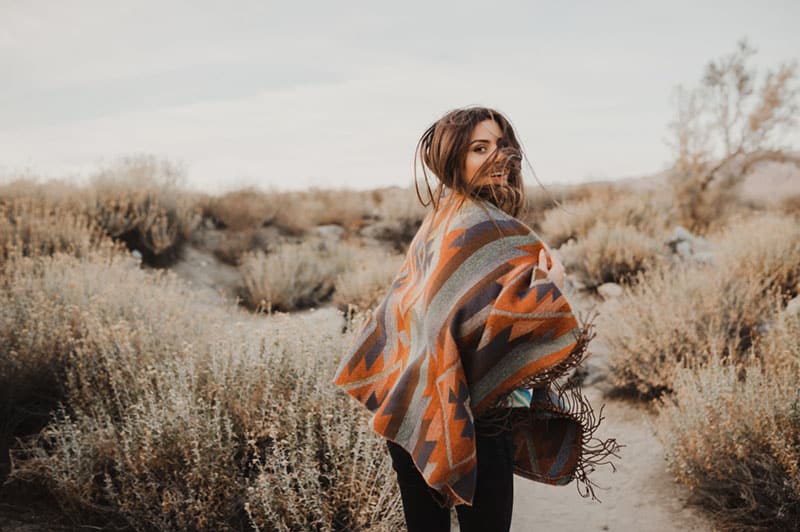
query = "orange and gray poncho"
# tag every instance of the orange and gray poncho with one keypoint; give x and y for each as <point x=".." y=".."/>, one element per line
<point x="468" y="319"/>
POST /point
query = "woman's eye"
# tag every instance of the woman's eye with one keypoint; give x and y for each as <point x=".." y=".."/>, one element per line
<point x="480" y="149"/>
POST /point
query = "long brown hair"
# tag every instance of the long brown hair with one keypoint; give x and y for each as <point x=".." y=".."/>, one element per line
<point x="443" y="150"/>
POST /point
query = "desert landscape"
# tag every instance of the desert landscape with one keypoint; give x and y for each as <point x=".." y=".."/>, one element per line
<point x="166" y="356"/>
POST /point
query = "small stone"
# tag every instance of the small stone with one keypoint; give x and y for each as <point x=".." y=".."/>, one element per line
<point x="793" y="306"/>
<point x="681" y="234"/>
<point x="684" y="249"/>
<point x="575" y="284"/>
<point x="329" y="232"/>
<point x="609" y="290"/>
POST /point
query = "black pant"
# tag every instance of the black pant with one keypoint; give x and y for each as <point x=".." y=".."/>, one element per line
<point x="494" y="493"/>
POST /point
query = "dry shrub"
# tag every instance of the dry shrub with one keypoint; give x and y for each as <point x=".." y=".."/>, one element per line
<point x="539" y="200"/>
<point x="767" y="245"/>
<point x="791" y="205"/>
<point x="724" y="129"/>
<point x="365" y="282"/>
<point x="735" y="442"/>
<point x="400" y="205"/>
<point x="243" y="209"/>
<point x="322" y="467"/>
<point x="294" y="276"/>
<point x="139" y="201"/>
<point x="779" y="348"/>
<point x="399" y="215"/>
<point x="347" y="208"/>
<point x="175" y="417"/>
<point x="649" y="212"/>
<point x="31" y="227"/>
<point x="57" y="192"/>
<point x="299" y="211"/>
<point x="675" y="316"/>
<point x="611" y="254"/>
<point x="232" y="248"/>
<point x="47" y="306"/>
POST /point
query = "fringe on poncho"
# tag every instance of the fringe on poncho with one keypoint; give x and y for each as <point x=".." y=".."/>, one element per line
<point x="468" y="319"/>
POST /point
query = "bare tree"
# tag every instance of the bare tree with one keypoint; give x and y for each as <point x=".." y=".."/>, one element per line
<point x="727" y="126"/>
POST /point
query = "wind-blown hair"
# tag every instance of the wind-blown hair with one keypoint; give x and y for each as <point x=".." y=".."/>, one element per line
<point x="443" y="150"/>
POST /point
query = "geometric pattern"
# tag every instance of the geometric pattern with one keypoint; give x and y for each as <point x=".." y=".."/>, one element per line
<point x="468" y="319"/>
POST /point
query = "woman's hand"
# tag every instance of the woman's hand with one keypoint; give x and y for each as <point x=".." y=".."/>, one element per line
<point x="556" y="271"/>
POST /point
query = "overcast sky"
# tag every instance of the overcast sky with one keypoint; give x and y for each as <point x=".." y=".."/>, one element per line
<point x="294" y="94"/>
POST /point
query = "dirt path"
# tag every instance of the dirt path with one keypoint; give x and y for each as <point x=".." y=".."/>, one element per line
<point x="641" y="495"/>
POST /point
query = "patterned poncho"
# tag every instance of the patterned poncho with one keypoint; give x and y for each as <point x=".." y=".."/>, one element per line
<point x="468" y="319"/>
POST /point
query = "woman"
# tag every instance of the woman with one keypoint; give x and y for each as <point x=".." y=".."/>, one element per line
<point x="458" y="362"/>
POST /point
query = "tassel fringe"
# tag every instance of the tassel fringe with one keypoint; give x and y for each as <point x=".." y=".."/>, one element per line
<point x="569" y="403"/>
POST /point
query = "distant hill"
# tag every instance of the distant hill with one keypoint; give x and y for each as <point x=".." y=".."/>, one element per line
<point x="769" y="182"/>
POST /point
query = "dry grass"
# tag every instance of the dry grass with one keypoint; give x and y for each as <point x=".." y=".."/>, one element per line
<point x="399" y="215"/>
<point x="32" y="227"/>
<point x="294" y="276"/>
<point x="764" y="246"/>
<point x="175" y="417"/>
<point x="139" y="201"/>
<point x="400" y="205"/>
<point x="676" y="316"/>
<point x="611" y="254"/>
<point x="244" y="209"/>
<point x="347" y="208"/>
<point x="732" y="436"/>
<point x="538" y="200"/>
<point x="235" y="245"/>
<point x="326" y="469"/>
<point x="363" y="285"/>
<point x="648" y="212"/>
<point x="301" y="210"/>
<point x="791" y="205"/>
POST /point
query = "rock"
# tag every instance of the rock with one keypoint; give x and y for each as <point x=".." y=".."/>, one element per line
<point x="137" y="254"/>
<point x="575" y="284"/>
<point x="687" y="245"/>
<point x="330" y="232"/>
<point x="681" y="233"/>
<point x="793" y="306"/>
<point x="684" y="249"/>
<point x="609" y="290"/>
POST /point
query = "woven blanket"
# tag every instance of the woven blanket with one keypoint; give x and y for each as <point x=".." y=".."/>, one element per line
<point x="468" y="319"/>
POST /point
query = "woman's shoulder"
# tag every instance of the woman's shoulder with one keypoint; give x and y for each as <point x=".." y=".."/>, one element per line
<point x="481" y="212"/>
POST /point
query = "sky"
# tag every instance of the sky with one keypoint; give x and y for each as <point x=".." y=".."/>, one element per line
<point x="336" y="94"/>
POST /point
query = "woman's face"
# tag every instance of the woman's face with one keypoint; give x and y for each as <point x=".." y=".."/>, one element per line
<point x="482" y="144"/>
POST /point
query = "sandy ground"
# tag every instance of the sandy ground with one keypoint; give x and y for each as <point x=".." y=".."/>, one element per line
<point x="640" y="495"/>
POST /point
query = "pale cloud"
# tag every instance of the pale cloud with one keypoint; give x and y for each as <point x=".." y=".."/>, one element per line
<point x="338" y="93"/>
